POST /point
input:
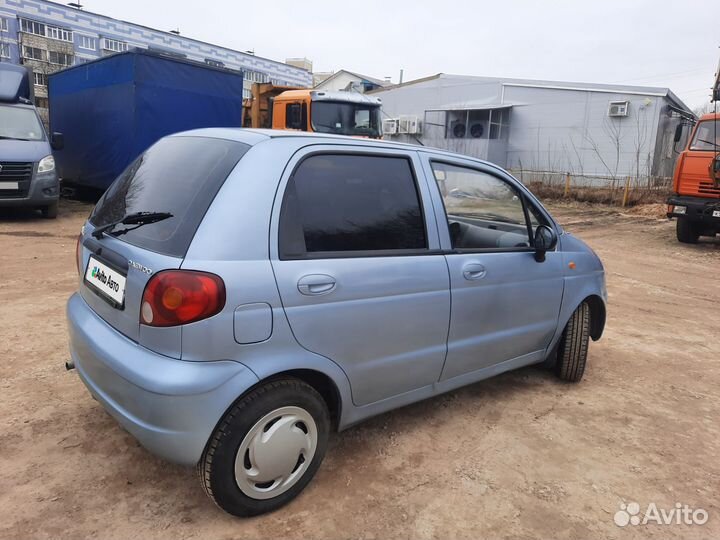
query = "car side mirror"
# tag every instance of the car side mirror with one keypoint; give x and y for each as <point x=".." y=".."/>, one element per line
<point x="57" y="141"/>
<point x="545" y="240"/>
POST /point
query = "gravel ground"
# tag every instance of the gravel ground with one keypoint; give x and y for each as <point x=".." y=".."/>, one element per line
<point x="522" y="455"/>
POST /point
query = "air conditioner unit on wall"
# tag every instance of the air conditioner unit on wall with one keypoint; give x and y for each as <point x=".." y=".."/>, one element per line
<point x="409" y="124"/>
<point x="618" y="108"/>
<point x="390" y="126"/>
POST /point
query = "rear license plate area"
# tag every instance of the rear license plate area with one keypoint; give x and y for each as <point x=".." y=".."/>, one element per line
<point x="106" y="281"/>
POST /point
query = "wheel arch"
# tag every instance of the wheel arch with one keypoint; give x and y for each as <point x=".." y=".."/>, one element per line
<point x="598" y="314"/>
<point x="323" y="385"/>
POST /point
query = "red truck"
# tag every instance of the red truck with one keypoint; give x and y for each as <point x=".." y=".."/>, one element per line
<point x="695" y="200"/>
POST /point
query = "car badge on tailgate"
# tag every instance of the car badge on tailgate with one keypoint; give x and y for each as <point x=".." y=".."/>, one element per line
<point x="141" y="267"/>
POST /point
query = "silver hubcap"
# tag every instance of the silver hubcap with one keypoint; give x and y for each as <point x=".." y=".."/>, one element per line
<point x="276" y="452"/>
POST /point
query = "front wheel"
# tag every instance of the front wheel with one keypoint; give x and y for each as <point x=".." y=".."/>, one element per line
<point x="687" y="231"/>
<point x="573" y="347"/>
<point x="266" y="449"/>
<point x="50" y="211"/>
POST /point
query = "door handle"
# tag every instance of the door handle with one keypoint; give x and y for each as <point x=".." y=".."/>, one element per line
<point x="316" y="284"/>
<point x="473" y="271"/>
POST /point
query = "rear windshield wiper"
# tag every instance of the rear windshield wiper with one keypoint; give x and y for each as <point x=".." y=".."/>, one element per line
<point x="13" y="138"/>
<point x="136" y="218"/>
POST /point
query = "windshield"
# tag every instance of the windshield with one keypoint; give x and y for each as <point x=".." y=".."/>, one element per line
<point x="707" y="136"/>
<point x="20" y="123"/>
<point x="346" y="118"/>
<point x="177" y="175"/>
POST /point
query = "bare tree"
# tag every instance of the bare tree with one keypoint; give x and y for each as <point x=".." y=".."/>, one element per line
<point x="640" y="142"/>
<point x="705" y="108"/>
<point x="611" y="163"/>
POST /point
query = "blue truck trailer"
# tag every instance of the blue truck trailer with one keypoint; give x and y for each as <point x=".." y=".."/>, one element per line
<point x="111" y="109"/>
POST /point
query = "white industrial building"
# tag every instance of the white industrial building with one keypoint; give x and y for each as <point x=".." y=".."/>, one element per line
<point x="602" y="130"/>
<point x="349" y="81"/>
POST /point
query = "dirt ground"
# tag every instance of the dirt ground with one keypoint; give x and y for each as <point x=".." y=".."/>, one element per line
<point x="522" y="455"/>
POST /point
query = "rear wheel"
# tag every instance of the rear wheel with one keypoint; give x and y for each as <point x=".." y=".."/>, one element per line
<point x="687" y="232"/>
<point x="266" y="449"/>
<point x="50" y="211"/>
<point x="573" y="348"/>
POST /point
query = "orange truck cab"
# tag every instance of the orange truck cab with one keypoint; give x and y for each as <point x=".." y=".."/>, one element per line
<point x="695" y="201"/>
<point x="340" y="113"/>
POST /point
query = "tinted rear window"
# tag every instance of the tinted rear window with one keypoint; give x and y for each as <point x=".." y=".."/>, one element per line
<point x="180" y="175"/>
<point x="345" y="203"/>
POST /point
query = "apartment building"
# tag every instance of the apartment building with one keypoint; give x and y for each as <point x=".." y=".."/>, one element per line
<point x="49" y="36"/>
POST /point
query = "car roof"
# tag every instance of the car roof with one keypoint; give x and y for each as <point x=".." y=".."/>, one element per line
<point x="253" y="136"/>
<point x="17" y="105"/>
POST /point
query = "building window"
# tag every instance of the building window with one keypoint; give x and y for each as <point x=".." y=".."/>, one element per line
<point x="114" y="45"/>
<point x="256" y="76"/>
<point x="214" y="63"/>
<point x="498" y="123"/>
<point x="3" y="24"/>
<point x="40" y="29"/>
<point x="40" y="79"/>
<point x="33" y="53"/>
<point x="618" y="108"/>
<point x="61" y="59"/>
<point x="4" y="50"/>
<point x="32" y="27"/>
<point x="88" y="43"/>
<point x="53" y="32"/>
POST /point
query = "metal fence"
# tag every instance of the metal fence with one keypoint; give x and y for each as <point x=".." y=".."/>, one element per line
<point x="621" y="190"/>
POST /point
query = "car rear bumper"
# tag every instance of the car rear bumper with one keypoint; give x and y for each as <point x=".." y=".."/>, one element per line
<point x="698" y="209"/>
<point x="171" y="406"/>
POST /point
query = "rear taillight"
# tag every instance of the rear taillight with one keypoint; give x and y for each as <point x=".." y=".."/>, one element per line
<point x="176" y="297"/>
<point x="78" y="254"/>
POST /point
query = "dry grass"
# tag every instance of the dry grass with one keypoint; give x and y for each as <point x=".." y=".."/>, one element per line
<point x="599" y="195"/>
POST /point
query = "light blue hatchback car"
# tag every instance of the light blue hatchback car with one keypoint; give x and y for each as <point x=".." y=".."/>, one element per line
<point x="244" y="292"/>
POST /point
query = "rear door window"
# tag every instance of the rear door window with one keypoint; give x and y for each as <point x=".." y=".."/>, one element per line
<point x="179" y="175"/>
<point x="353" y="204"/>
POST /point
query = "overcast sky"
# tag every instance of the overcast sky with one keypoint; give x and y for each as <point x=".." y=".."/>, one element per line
<point x="643" y="42"/>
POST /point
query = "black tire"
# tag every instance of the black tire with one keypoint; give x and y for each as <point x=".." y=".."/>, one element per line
<point x="573" y="349"/>
<point x="216" y="467"/>
<point x="50" y="211"/>
<point x="687" y="232"/>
